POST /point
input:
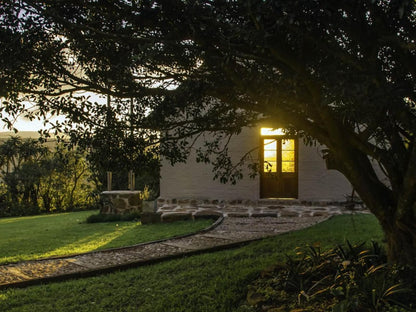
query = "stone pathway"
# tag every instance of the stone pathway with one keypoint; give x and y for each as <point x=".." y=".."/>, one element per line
<point x="227" y="232"/>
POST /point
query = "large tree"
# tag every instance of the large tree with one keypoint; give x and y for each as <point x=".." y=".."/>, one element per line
<point x="340" y="72"/>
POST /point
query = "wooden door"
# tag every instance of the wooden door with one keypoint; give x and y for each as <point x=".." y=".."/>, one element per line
<point x="279" y="176"/>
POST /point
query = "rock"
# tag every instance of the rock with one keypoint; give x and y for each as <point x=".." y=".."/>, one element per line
<point x="119" y="204"/>
<point x="207" y="214"/>
<point x="290" y="214"/>
<point x="264" y="214"/>
<point x="275" y="207"/>
<point x="320" y="214"/>
<point x="238" y="214"/>
<point x="134" y="200"/>
<point x="306" y="213"/>
<point x="183" y="201"/>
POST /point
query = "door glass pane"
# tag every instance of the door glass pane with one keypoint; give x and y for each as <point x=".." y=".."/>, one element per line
<point x="270" y="145"/>
<point x="270" y="156"/>
<point x="288" y="166"/>
<point x="288" y="155"/>
<point x="288" y="145"/>
<point x="270" y="166"/>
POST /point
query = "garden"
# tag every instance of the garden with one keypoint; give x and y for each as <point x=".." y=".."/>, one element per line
<point x="239" y="279"/>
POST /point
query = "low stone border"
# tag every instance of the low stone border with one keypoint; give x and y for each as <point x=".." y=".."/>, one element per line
<point x="186" y="211"/>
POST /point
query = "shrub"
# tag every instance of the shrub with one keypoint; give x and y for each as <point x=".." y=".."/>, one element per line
<point x="346" y="278"/>
<point x="113" y="217"/>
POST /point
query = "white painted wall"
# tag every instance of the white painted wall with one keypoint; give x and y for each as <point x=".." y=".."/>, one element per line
<point x="315" y="181"/>
<point x="195" y="180"/>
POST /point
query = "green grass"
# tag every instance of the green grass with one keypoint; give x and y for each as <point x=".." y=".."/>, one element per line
<point x="209" y="282"/>
<point x="28" y="238"/>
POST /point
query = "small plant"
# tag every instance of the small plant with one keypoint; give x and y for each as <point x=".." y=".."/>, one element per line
<point x="145" y="194"/>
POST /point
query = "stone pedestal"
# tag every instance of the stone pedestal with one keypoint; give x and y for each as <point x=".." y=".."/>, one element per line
<point x="149" y="206"/>
<point x="120" y="202"/>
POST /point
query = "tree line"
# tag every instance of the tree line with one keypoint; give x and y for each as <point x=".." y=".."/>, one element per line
<point x="36" y="178"/>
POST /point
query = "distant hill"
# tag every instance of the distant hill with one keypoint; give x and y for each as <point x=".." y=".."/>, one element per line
<point x="22" y="134"/>
<point x="26" y="135"/>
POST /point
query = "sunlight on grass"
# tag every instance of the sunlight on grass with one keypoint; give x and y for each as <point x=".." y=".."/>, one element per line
<point x="29" y="238"/>
<point x="85" y="244"/>
<point x="91" y="242"/>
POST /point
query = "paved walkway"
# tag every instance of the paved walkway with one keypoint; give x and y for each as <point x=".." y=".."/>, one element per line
<point x="227" y="232"/>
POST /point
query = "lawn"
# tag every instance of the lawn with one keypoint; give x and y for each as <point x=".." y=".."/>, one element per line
<point x="28" y="238"/>
<point x="208" y="282"/>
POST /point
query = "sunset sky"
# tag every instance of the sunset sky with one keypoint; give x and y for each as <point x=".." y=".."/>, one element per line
<point x="23" y="124"/>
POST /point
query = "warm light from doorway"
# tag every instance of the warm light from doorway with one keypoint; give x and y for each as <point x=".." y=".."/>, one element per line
<point x="271" y="131"/>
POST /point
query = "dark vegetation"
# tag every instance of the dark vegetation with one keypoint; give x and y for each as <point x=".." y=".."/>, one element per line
<point x="346" y="278"/>
<point x="38" y="179"/>
<point x="96" y="218"/>
<point x="54" y="177"/>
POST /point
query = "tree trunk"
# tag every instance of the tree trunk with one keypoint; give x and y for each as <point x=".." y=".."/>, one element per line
<point x="400" y="239"/>
<point x="395" y="212"/>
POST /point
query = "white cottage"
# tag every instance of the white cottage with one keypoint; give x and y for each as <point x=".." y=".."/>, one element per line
<point x="292" y="172"/>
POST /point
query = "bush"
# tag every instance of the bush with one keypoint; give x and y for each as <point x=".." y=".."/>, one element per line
<point x="346" y="278"/>
<point x="113" y="217"/>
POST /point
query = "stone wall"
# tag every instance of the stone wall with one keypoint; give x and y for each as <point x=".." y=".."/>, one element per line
<point x="173" y="209"/>
<point x="120" y="202"/>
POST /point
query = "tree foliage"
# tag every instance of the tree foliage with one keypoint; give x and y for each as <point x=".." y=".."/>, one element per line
<point x="342" y="73"/>
<point x="36" y="179"/>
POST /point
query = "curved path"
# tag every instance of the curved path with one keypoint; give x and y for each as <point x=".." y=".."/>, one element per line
<point x="226" y="233"/>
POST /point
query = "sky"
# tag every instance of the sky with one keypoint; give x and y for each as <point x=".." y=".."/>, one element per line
<point x="24" y="124"/>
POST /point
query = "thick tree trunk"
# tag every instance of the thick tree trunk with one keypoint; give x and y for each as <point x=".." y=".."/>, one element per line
<point x="395" y="211"/>
<point x="400" y="239"/>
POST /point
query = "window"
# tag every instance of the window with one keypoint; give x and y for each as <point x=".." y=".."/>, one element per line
<point x="271" y="131"/>
<point x="270" y="155"/>
<point x="288" y="155"/>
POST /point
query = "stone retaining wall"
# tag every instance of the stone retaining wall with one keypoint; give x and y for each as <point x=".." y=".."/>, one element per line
<point x="185" y="208"/>
<point x="120" y="202"/>
<point x="161" y="202"/>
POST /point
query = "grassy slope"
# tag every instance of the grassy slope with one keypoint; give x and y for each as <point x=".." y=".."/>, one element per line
<point x="67" y="233"/>
<point x="210" y="282"/>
